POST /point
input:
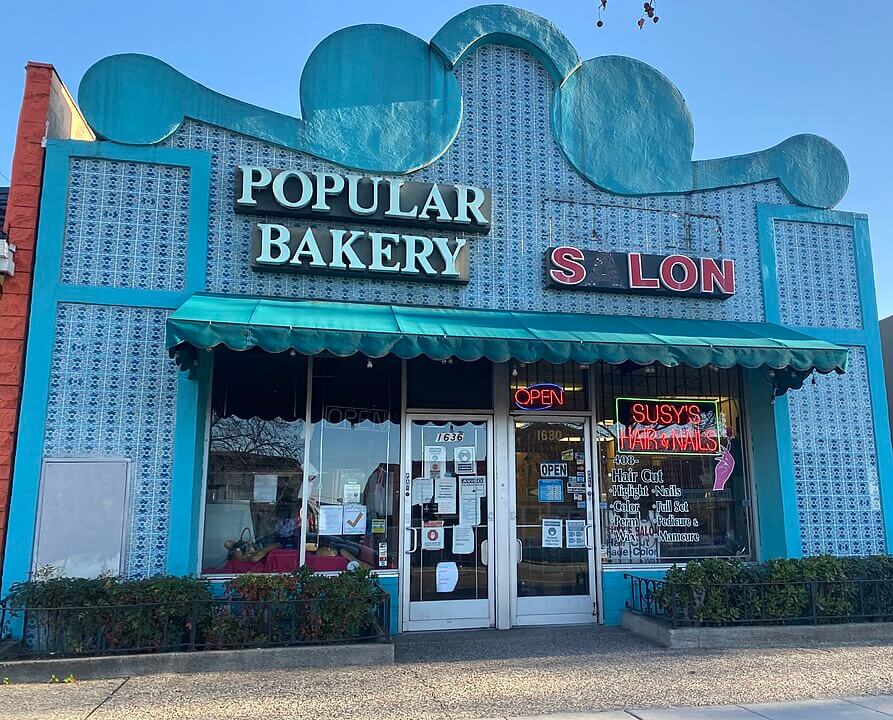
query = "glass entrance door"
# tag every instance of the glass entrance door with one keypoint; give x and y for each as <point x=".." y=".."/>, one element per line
<point x="553" y="579"/>
<point x="447" y="573"/>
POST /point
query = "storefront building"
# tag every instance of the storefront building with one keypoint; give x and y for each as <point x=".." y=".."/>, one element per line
<point x="476" y="320"/>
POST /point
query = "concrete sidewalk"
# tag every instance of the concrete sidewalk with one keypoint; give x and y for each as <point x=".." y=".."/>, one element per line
<point x="858" y="708"/>
<point x="560" y="673"/>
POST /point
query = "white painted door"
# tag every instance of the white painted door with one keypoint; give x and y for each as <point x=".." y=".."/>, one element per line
<point x="447" y="573"/>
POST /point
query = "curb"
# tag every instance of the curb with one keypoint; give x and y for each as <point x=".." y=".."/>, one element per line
<point x="100" y="668"/>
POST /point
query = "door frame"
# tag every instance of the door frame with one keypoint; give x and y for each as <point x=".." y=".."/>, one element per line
<point x="593" y="522"/>
<point x="405" y="564"/>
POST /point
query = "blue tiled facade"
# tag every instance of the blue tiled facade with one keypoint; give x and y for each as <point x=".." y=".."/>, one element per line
<point x="113" y="391"/>
<point x="127" y="225"/>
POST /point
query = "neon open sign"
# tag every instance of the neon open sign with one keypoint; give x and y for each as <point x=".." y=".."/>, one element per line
<point x="668" y="427"/>
<point x="542" y="396"/>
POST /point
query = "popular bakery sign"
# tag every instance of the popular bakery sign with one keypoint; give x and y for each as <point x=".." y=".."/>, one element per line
<point x="633" y="272"/>
<point x="331" y="198"/>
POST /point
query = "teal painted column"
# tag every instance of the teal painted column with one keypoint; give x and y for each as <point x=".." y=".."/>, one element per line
<point x="193" y="394"/>
<point x="775" y="493"/>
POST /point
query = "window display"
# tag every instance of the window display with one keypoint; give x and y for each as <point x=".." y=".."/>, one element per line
<point x="672" y="466"/>
<point x="354" y="465"/>
<point x="252" y="519"/>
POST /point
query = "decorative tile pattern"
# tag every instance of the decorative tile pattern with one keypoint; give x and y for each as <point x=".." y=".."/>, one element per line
<point x="113" y="391"/>
<point x="818" y="284"/>
<point x="127" y="225"/>
<point x="835" y="463"/>
<point x="506" y="144"/>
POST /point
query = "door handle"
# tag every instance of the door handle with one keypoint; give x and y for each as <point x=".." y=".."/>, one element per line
<point x="520" y="550"/>
<point x="485" y="548"/>
<point x="587" y="528"/>
<point x="414" y="545"/>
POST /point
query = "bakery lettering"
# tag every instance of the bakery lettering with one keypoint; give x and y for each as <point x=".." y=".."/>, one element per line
<point x="392" y="202"/>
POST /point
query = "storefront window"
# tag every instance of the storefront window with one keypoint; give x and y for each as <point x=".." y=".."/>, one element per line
<point x="354" y="464"/>
<point x="255" y="463"/>
<point x="672" y="469"/>
<point x="544" y="387"/>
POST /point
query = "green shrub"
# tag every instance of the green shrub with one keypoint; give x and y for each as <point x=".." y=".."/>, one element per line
<point x="166" y="613"/>
<point x="720" y="592"/>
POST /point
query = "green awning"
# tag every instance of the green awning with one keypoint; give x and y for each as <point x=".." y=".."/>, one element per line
<point x="343" y="328"/>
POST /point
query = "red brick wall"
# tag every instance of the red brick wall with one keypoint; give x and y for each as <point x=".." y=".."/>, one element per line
<point x="15" y="294"/>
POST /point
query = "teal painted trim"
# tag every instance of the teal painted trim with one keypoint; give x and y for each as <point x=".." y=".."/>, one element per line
<point x="158" y="98"/>
<point x="791" y="162"/>
<point x="391" y="585"/>
<point x="505" y="25"/>
<point x="867" y="337"/>
<point x="616" y="590"/>
<point x="838" y="336"/>
<point x="876" y="380"/>
<point x="777" y="520"/>
<point x="619" y="122"/>
<point x="93" y="295"/>
<point x="787" y="486"/>
<point x="186" y="486"/>
<point x="48" y="292"/>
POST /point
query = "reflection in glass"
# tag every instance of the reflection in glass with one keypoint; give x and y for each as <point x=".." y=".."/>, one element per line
<point x="354" y="463"/>
<point x="255" y="463"/>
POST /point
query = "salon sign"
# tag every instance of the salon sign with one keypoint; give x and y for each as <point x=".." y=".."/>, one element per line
<point x="436" y="249"/>
<point x="640" y="273"/>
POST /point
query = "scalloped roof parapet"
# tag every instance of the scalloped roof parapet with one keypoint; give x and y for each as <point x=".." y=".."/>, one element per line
<point x="378" y="99"/>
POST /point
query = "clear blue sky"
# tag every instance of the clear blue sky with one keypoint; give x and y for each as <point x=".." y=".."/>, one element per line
<point x="752" y="71"/>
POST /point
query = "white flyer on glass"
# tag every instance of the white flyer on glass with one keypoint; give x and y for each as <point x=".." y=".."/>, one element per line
<point x="463" y="540"/>
<point x="422" y="490"/>
<point x="469" y="504"/>
<point x="330" y="518"/>
<point x="445" y="495"/>
<point x="432" y="535"/>
<point x="435" y="460"/>
<point x="475" y="483"/>
<point x="352" y="491"/>
<point x="575" y="530"/>
<point x="265" y="487"/>
<point x="447" y="574"/>
<point x="464" y="460"/>
<point x="354" y="520"/>
<point x="552" y="533"/>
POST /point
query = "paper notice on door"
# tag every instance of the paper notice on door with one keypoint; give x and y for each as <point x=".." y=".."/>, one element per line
<point x="422" y="491"/>
<point x="330" y="519"/>
<point x="552" y="533"/>
<point x="352" y="491"/>
<point x="463" y="540"/>
<point x="447" y="574"/>
<point x="469" y="504"/>
<point x="464" y="460"/>
<point x="474" y="483"/>
<point x="435" y="461"/>
<point x="432" y="535"/>
<point x="354" y="520"/>
<point x="445" y="495"/>
<point x="575" y="530"/>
